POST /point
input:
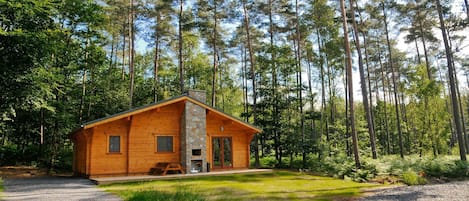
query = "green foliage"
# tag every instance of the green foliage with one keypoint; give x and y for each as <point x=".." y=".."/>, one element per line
<point x="344" y="168"/>
<point x="155" y="195"/>
<point x="12" y="155"/>
<point x="446" y="168"/>
<point x="423" y="167"/>
<point x="412" y="178"/>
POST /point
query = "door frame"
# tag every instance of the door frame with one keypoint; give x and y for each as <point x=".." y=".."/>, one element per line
<point x="222" y="157"/>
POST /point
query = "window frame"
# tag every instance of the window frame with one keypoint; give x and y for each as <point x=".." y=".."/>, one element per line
<point x="172" y="144"/>
<point x="109" y="151"/>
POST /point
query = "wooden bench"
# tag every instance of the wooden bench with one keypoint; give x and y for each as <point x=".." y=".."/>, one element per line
<point x="163" y="168"/>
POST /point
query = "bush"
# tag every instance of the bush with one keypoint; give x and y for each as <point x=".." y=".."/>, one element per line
<point x="412" y="178"/>
<point x="446" y="168"/>
<point x="344" y="167"/>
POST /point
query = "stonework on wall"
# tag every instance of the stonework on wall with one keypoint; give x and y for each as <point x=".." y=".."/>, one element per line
<point x="193" y="134"/>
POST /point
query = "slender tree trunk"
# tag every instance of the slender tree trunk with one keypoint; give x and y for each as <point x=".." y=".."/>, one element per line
<point x="324" y="119"/>
<point x="466" y="4"/>
<point x="350" y="85"/>
<point x="463" y="121"/>
<point x="425" y="52"/>
<point x="245" y="83"/>
<point x="300" y="84"/>
<point x="366" y="104"/>
<point x="180" y="42"/>
<point x="123" y="51"/>
<point x="132" y="53"/>
<point x="156" y="58"/>
<point x="253" y="74"/>
<point x="394" y="82"/>
<point x="454" y="99"/>
<point x="112" y="52"/>
<point x="348" y="148"/>
<point x="215" y="55"/>
<point x="83" y="86"/>
<point x="275" y="108"/>
<point x="383" y="82"/>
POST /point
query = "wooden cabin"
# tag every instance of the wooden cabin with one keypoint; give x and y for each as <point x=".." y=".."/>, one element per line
<point x="182" y="130"/>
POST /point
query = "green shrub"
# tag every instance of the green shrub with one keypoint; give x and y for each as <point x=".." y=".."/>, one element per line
<point x="446" y="168"/>
<point x="344" y="167"/>
<point x="460" y="169"/>
<point x="412" y="178"/>
<point x="154" y="195"/>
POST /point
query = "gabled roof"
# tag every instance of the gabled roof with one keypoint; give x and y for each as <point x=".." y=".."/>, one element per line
<point x="152" y="106"/>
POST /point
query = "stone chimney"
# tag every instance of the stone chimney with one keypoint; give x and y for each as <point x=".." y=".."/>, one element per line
<point x="193" y="134"/>
<point x="199" y="95"/>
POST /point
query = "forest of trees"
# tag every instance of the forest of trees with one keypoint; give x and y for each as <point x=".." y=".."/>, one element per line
<point x="321" y="78"/>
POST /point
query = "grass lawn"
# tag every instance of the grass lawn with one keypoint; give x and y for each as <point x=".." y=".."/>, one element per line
<point x="278" y="185"/>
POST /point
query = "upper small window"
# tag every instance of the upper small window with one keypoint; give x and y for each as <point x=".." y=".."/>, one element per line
<point x="164" y="144"/>
<point x="114" y="144"/>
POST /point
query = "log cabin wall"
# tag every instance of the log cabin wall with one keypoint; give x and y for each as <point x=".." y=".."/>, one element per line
<point x="240" y="139"/>
<point x="146" y="127"/>
<point x="138" y="133"/>
<point x="101" y="161"/>
<point x="79" y="160"/>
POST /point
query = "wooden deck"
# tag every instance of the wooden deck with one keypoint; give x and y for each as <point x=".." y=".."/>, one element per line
<point x="124" y="179"/>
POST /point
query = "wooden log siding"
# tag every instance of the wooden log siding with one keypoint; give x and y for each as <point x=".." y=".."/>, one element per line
<point x="138" y="130"/>
<point x="238" y="135"/>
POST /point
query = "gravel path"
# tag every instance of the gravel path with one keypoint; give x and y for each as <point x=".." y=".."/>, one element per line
<point x="453" y="191"/>
<point x="53" y="189"/>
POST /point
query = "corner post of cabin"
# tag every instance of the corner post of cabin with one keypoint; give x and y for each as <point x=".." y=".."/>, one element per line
<point x="129" y="129"/>
<point x="88" y="133"/>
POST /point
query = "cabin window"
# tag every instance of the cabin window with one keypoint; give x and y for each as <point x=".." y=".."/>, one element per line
<point x="164" y="144"/>
<point x="114" y="144"/>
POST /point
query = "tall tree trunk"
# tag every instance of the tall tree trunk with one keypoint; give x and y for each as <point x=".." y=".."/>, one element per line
<point x="123" y="50"/>
<point x="253" y="74"/>
<point x="132" y="53"/>
<point x="215" y="55"/>
<point x="324" y="119"/>
<point x="300" y="83"/>
<point x="180" y="42"/>
<point x="383" y="82"/>
<point x="350" y="85"/>
<point x="454" y="99"/>
<point x="275" y="106"/>
<point x="83" y="86"/>
<point x="466" y="4"/>
<point x="394" y="83"/>
<point x="348" y="148"/>
<point x="156" y="58"/>
<point x="245" y="83"/>
<point x="425" y="52"/>
<point x="366" y="104"/>
<point x="112" y="52"/>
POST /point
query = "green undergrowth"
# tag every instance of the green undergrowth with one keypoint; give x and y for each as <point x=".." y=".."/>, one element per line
<point x="415" y="170"/>
<point x="412" y="170"/>
<point x="278" y="185"/>
<point x="1" y="188"/>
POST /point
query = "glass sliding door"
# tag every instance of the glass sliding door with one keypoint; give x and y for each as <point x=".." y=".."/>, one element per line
<point x="222" y="152"/>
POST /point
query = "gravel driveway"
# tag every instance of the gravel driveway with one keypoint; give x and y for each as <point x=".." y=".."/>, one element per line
<point x="453" y="191"/>
<point x="53" y="189"/>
